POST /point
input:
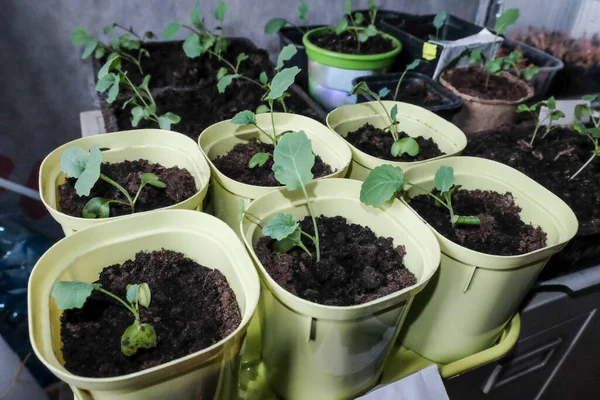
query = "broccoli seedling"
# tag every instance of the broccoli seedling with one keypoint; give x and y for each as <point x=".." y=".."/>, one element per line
<point x="406" y="145"/>
<point x="409" y="67"/>
<point x="85" y="168"/>
<point x="274" y="25"/>
<point x="138" y="335"/>
<point x="362" y="35"/>
<point x="584" y="110"/>
<point x="293" y="161"/>
<point x="438" y="22"/>
<point x="385" y="181"/>
<point x="552" y="115"/>
<point x="373" y="10"/>
<point x="119" y="45"/>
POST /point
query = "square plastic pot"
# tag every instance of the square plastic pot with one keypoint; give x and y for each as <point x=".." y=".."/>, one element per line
<point x="81" y="257"/>
<point x="414" y="120"/>
<point x="167" y="148"/>
<point x="315" y="351"/>
<point x="469" y="301"/>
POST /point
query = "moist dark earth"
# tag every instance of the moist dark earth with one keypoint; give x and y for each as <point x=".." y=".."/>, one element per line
<point x="355" y="267"/>
<point x="502" y="232"/>
<point x="471" y="81"/>
<point x="347" y="43"/>
<point x="180" y="186"/>
<point x="235" y="165"/>
<point x="415" y="93"/>
<point x="378" y="143"/>
<point x="192" y="307"/>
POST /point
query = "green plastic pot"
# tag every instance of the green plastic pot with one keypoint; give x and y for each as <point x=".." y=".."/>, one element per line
<point x="81" y="257"/>
<point x="158" y="146"/>
<point x="414" y="120"/>
<point x="312" y="350"/>
<point x="469" y="301"/>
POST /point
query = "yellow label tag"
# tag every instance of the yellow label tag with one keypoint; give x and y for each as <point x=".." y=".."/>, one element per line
<point x="429" y="51"/>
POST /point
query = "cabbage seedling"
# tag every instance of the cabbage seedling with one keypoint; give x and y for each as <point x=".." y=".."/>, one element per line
<point x="373" y="10"/>
<point x="552" y="115"/>
<point x="85" y="168"/>
<point x="362" y="35"/>
<point x="274" y="25"/>
<point x="409" y="67"/>
<point x="385" y="181"/>
<point x="138" y="335"/>
<point x="293" y="162"/>
<point x="584" y="110"/>
<point x="438" y="22"/>
<point x="406" y="145"/>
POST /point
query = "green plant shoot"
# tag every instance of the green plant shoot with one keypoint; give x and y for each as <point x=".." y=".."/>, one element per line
<point x="362" y="34"/>
<point x="274" y="25"/>
<point x="293" y="161"/>
<point x="406" y="145"/>
<point x="385" y="181"/>
<point x="138" y="335"/>
<point x="552" y="115"/>
<point x="593" y="133"/>
<point x="438" y="22"/>
<point x="85" y="168"/>
<point x="373" y="10"/>
<point x="409" y="67"/>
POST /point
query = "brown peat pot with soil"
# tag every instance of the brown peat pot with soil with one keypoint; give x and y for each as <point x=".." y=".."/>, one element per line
<point x="195" y="290"/>
<point x="489" y="100"/>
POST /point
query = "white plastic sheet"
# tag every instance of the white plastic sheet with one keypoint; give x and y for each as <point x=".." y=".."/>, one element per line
<point x="424" y="385"/>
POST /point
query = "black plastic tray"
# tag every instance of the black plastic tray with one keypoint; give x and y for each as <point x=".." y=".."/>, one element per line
<point x="451" y="103"/>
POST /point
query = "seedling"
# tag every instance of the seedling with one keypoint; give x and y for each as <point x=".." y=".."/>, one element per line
<point x="118" y="45"/>
<point x="293" y="161"/>
<point x="552" y="115"/>
<point x="385" y="181"/>
<point x="409" y="67"/>
<point x="406" y="145"/>
<point x="584" y="110"/>
<point x="276" y="24"/>
<point x="362" y="34"/>
<point x="438" y="22"/>
<point x="85" y="168"/>
<point x="373" y="10"/>
<point x="138" y="335"/>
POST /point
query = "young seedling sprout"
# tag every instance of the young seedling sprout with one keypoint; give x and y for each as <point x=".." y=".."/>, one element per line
<point x="584" y="110"/>
<point x="118" y="45"/>
<point x="138" y="335"/>
<point x="406" y="145"/>
<point x="362" y="35"/>
<point x="373" y="10"/>
<point x="552" y="115"/>
<point x="438" y="22"/>
<point x="409" y="67"/>
<point x="385" y="181"/>
<point x="111" y="76"/>
<point x="276" y="24"/>
<point x="85" y="168"/>
<point x="293" y="161"/>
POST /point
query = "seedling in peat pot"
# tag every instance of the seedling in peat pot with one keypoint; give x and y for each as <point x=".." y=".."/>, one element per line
<point x="119" y="45"/>
<point x="438" y="22"/>
<point x="581" y="111"/>
<point x="138" y="335"/>
<point x="84" y="167"/>
<point x="406" y="145"/>
<point x="275" y="24"/>
<point x="293" y="161"/>
<point x="385" y="181"/>
<point x="552" y="115"/>
<point x="362" y="35"/>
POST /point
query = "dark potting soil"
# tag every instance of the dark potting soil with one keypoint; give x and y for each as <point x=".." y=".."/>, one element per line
<point x="347" y="43"/>
<point x="502" y="232"/>
<point x="378" y="143"/>
<point x="180" y="186"/>
<point x="550" y="162"/>
<point x="235" y="165"/>
<point x="415" y="93"/>
<point x="356" y="266"/>
<point x="192" y="307"/>
<point x="471" y="81"/>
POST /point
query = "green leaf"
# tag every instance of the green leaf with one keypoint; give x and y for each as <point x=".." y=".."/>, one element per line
<point x="226" y="81"/>
<point x="108" y="28"/>
<point x="579" y="127"/>
<point x="245" y="117"/>
<point x="196" y="19"/>
<point x="76" y="163"/>
<point x="112" y="59"/>
<point x="381" y="185"/>
<point x="286" y="244"/>
<point x="106" y="81"/>
<point x="348" y="7"/>
<point x="551" y="103"/>
<point x="514" y="57"/>
<point x="145" y="82"/>
<point x="79" y="36"/>
<point x="365" y="34"/>
<point x="99" y="52"/>
<point x="128" y="43"/>
<point x="475" y="56"/>
<point x="281" y="82"/>
<point x="595" y="132"/>
<point x="439" y="19"/>
<point x="115" y="44"/>
<point x="151" y="179"/>
<point x="262" y="109"/>
<point x="274" y="25"/>
<point x="302" y="10"/>
<point x="341" y="26"/>
<point x="523" y="108"/>
<point x="406" y="145"/>
<point x="363" y="88"/>
<point x="132" y="291"/>
<point x="582" y="110"/>
<point x="263" y="78"/>
<point x="137" y="336"/>
<point x="589" y="97"/>
<point x="556" y="115"/>
<point x="192" y="47"/>
<point x="507" y="18"/>
<point x="383" y="92"/>
<point x="137" y="113"/>
<point x="221" y="72"/>
<point x="394" y="113"/>
<point x="150" y="35"/>
<point x="171" y="30"/>
<point x="220" y="11"/>
<point x="280" y="226"/>
<point x="286" y="53"/>
<point x="413" y="64"/>
<point x="530" y="72"/>
<point x="293" y="160"/>
<point x="89" y="48"/>
<point x="113" y="92"/>
<point x="130" y="100"/>
<point x="143" y="295"/>
<point x="242" y="57"/>
<point x="72" y="294"/>
<point x="97" y="207"/>
<point x="444" y="178"/>
<point x="494" y="66"/>
<point x="166" y="120"/>
<point x="359" y="18"/>
<point x="259" y="159"/>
